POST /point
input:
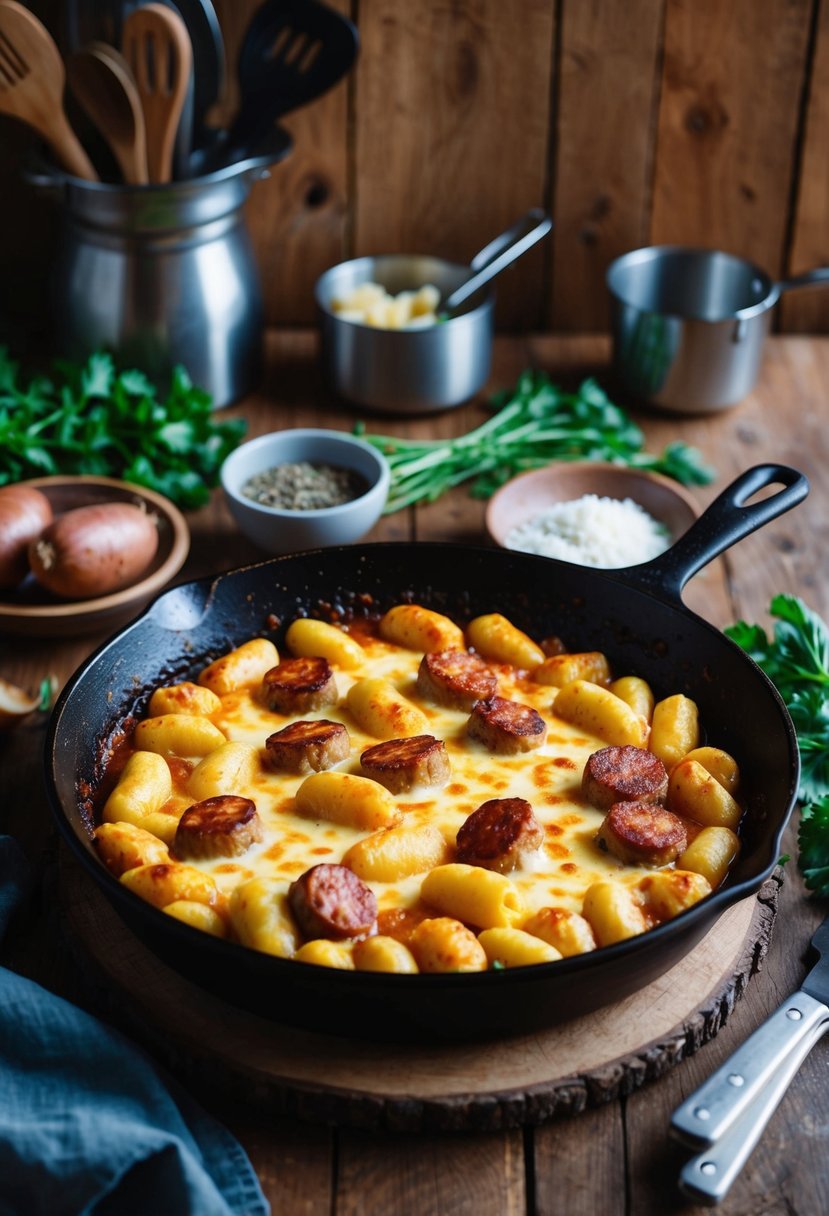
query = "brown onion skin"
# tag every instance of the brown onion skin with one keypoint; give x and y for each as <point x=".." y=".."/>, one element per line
<point x="94" y="551"/>
<point x="24" y="513"/>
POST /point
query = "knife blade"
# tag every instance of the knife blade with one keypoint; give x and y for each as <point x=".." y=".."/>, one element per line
<point x="707" y="1114"/>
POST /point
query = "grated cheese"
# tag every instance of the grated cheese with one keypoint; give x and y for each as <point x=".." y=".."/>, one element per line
<point x="592" y="531"/>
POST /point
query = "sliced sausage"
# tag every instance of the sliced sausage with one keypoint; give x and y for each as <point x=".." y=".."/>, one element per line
<point x="624" y="774"/>
<point x="304" y="747"/>
<point x="500" y="835"/>
<point x="642" y="834"/>
<point x="223" y="826"/>
<point x="331" y="901"/>
<point x="401" y="764"/>
<point x="296" y="686"/>
<point x="505" y="726"/>
<point x="455" y="678"/>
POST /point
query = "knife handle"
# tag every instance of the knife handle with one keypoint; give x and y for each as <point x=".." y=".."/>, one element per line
<point x="708" y="1113"/>
<point x="707" y="1178"/>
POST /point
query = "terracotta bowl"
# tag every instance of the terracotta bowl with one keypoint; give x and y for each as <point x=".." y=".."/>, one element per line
<point x="529" y="494"/>
<point x="30" y="610"/>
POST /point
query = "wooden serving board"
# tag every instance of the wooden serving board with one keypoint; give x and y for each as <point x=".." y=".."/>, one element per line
<point x="491" y="1086"/>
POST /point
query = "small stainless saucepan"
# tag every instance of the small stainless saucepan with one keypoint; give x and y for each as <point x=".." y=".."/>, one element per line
<point x="689" y="324"/>
<point x="419" y="370"/>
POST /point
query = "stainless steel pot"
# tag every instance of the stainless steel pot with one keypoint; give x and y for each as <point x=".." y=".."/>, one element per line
<point x="689" y="324"/>
<point x="163" y="274"/>
<point x="413" y="371"/>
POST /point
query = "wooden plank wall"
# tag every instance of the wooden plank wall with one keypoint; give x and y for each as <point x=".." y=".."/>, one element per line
<point x="634" y="121"/>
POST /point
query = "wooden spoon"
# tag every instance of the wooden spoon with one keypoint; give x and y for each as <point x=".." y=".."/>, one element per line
<point x="101" y="80"/>
<point x="157" y="48"/>
<point x="32" y="78"/>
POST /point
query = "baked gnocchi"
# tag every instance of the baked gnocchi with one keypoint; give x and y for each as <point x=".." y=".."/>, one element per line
<point x="570" y="807"/>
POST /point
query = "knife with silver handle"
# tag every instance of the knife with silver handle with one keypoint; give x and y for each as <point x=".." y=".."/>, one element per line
<point x="704" y="1117"/>
<point x="708" y="1177"/>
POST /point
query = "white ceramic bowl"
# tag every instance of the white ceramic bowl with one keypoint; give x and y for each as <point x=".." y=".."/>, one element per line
<point x="277" y="530"/>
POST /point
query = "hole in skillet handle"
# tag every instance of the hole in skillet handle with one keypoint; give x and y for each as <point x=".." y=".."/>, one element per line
<point x="728" y="519"/>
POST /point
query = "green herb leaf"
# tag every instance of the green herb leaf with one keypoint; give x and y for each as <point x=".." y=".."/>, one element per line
<point x="92" y="418"/>
<point x="533" y="424"/>
<point x="813" y="839"/>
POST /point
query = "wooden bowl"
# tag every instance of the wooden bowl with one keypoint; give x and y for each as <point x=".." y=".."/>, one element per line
<point x="30" y="610"/>
<point x="529" y="494"/>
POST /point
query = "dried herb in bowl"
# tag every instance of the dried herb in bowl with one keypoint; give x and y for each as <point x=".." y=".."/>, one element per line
<point x="304" y="486"/>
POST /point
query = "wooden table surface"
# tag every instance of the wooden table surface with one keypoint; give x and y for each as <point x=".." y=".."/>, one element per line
<point x="615" y="1158"/>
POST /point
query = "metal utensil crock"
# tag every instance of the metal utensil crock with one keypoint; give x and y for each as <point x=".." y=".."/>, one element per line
<point x="689" y="324"/>
<point x="162" y="275"/>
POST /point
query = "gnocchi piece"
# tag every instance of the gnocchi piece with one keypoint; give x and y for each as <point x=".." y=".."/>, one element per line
<point x="167" y="882"/>
<point x="144" y="786"/>
<point x="710" y="854"/>
<point x="307" y="638"/>
<point x="345" y="798"/>
<point x="421" y="629"/>
<point x="380" y="953"/>
<point x="178" y="734"/>
<point x="636" y="693"/>
<point x="599" y="711"/>
<point x="397" y="852"/>
<point x="382" y="712"/>
<point x="669" y="892"/>
<point x="442" y="944"/>
<point x="243" y="667"/>
<point x="719" y="764"/>
<point x="184" y="698"/>
<point x="475" y="896"/>
<point x="562" y="669"/>
<point x="261" y="919"/>
<point x="229" y="769"/>
<point x="674" y="729"/>
<point x="612" y="912"/>
<point x="515" y="948"/>
<point x="200" y="916"/>
<point x="123" y="846"/>
<point x="693" y="792"/>
<point x="325" y="953"/>
<point x="567" y="931"/>
<point x="496" y="638"/>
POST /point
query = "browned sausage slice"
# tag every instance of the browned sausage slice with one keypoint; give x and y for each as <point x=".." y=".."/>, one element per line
<point x="331" y="901"/>
<point x="624" y="774"/>
<point x="304" y="747"/>
<point x="297" y="685"/>
<point x="505" y="726"/>
<point x="455" y="678"/>
<point x="499" y="835"/>
<point x="223" y="826"/>
<point x="401" y="764"/>
<point x="642" y="834"/>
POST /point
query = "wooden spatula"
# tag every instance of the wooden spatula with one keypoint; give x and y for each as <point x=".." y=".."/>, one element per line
<point x="101" y="80"/>
<point x="32" y="78"/>
<point x="157" y="48"/>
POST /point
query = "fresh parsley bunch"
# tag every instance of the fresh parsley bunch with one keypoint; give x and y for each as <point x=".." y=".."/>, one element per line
<point x="796" y="660"/>
<point x="535" y="423"/>
<point x="93" y="419"/>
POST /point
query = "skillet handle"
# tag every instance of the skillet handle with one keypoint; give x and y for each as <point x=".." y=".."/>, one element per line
<point x="727" y="520"/>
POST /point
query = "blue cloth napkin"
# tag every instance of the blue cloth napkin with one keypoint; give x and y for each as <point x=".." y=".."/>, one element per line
<point x="88" y="1126"/>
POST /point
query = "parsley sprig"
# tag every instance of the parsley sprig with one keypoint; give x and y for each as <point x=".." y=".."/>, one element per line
<point x="796" y="660"/>
<point x="535" y="423"/>
<point x="94" y="419"/>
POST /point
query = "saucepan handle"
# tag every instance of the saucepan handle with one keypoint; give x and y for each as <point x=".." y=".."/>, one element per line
<point x="811" y="278"/>
<point x="728" y="519"/>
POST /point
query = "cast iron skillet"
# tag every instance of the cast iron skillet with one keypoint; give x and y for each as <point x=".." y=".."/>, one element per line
<point x="635" y="615"/>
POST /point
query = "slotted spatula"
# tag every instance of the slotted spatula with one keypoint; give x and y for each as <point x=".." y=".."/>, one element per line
<point x="292" y="52"/>
<point x="157" y="48"/>
<point x="32" y="79"/>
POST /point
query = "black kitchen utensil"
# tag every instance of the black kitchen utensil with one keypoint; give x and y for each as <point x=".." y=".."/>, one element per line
<point x="634" y="615"/>
<point x="292" y="52"/>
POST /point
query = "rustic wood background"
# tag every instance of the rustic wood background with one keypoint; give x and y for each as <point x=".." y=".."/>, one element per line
<point x="633" y="121"/>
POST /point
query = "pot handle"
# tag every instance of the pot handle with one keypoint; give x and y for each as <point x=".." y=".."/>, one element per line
<point x="728" y="519"/>
<point x="811" y="278"/>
